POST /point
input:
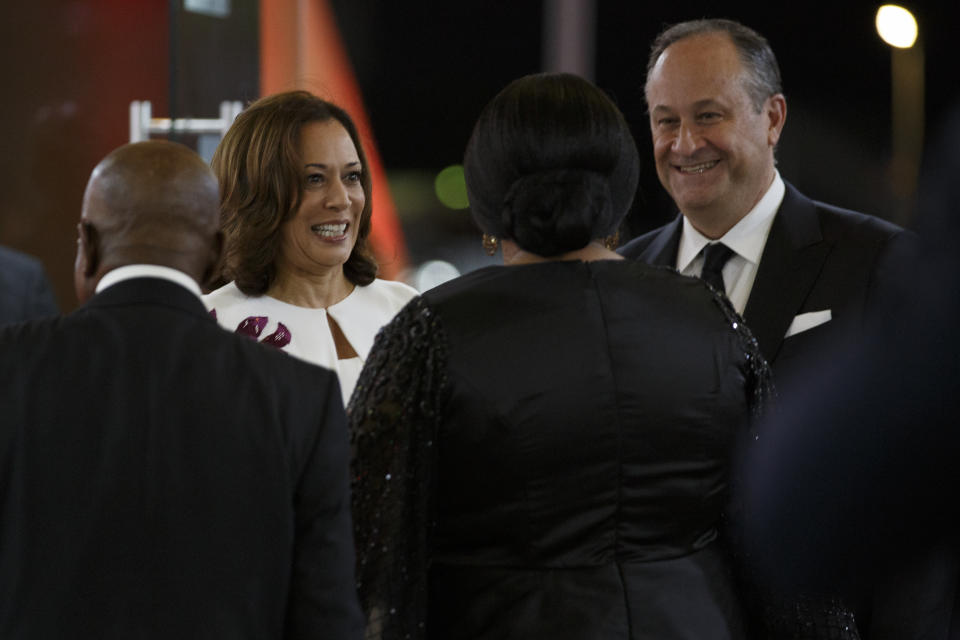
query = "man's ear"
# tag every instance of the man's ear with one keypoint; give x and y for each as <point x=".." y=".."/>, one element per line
<point x="87" y="262"/>
<point x="88" y="249"/>
<point x="776" y="110"/>
<point x="214" y="268"/>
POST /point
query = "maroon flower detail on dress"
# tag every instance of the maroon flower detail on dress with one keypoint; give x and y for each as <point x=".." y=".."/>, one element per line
<point x="213" y="313"/>
<point x="279" y="338"/>
<point x="252" y="327"/>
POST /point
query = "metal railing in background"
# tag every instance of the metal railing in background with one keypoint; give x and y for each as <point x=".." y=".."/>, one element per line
<point x="209" y="131"/>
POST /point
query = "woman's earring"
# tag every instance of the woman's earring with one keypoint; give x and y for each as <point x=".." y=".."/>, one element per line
<point x="611" y="242"/>
<point x="489" y="244"/>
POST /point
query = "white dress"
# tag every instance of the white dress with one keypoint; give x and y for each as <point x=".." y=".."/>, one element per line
<point x="304" y="332"/>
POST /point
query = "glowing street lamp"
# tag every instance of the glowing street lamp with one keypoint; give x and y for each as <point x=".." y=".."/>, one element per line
<point x="898" y="28"/>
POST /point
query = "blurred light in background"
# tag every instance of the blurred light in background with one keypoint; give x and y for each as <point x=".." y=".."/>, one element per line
<point x="413" y="191"/>
<point x="433" y="273"/>
<point x="899" y="29"/>
<point x="451" y="188"/>
<point x="896" y="26"/>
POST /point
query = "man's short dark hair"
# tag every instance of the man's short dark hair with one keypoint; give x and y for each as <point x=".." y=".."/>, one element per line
<point x="763" y="72"/>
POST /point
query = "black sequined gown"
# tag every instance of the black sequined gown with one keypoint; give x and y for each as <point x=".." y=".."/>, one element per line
<point x="542" y="451"/>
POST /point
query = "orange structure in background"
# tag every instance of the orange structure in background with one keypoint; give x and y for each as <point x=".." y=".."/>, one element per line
<point x="300" y="48"/>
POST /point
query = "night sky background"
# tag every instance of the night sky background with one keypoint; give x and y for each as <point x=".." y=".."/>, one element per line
<point x="426" y="69"/>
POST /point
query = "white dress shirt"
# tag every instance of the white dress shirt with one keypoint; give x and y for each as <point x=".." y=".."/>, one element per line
<point x="746" y="238"/>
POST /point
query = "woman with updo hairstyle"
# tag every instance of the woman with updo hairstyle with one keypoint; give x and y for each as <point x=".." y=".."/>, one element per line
<point x="295" y="211"/>
<point x="560" y="184"/>
<point x="542" y="449"/>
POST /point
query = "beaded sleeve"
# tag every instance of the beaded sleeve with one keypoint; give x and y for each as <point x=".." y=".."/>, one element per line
<point x="759" y="379"/>
<point x="394" y="415"/>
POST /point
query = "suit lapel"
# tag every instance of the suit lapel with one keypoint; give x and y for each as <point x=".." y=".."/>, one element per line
<point x="792" y="259"/>
<point x="662" y="250"/>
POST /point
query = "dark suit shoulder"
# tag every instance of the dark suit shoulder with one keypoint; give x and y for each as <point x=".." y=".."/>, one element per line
<point x="837" y="220"/>
<point x="303" y="397"/>
<point x="865" y="240"/>
<point x="806" y="220"/>
<point x="161" y="323"/>
<point x="656" y="247"/>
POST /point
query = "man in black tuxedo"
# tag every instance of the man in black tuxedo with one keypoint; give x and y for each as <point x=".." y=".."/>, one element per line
<point x="804" y="274"/>
<point x="163" y="478"/>
<point x="25" y="292"/>
<point x="797" y="267"/>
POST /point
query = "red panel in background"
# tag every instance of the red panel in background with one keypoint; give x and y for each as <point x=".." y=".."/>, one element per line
<point x="300" y="48"/>
<point x="70" y="70"/>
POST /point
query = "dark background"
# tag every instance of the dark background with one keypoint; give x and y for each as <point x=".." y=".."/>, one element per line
<point x="426" y="69"/>
<point x="71" y="67"/>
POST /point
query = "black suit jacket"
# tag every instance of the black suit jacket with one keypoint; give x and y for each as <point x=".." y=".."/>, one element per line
<point x="163" y="478"/>
<point x="820" y="257"/>
<point x="817" y="257"/>
<point x="25" y="292"/>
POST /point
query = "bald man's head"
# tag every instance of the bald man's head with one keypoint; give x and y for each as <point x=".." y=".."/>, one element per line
<point x="153" y="202"/>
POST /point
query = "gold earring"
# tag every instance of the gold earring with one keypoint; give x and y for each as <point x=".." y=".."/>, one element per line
<point x="489" y="244"/>
<point x="611" y="242"/>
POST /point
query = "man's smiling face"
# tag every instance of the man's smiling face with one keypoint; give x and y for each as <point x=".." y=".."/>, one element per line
<point x="713" y="147"/>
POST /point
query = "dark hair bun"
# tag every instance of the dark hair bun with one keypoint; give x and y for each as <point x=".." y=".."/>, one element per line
<point x="551" y="164"/>
<point x="553" y="212"/>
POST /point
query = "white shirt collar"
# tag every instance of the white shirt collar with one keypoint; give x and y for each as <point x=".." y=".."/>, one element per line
<point x="148" y="271"/>
<point x="746" y="238"/>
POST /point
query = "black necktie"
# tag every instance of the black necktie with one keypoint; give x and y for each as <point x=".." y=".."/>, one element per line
<point x="715" y="255"/>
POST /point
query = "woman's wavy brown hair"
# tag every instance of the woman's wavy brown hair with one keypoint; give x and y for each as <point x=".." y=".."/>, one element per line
<point x="260" y="171"/>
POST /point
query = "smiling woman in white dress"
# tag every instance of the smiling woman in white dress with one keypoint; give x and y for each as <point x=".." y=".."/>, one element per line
<point x="295" y="212"/>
